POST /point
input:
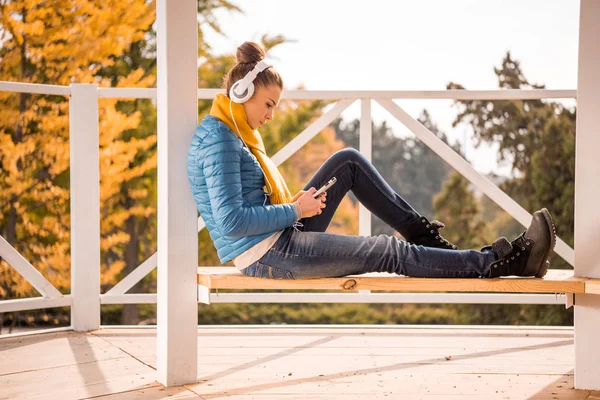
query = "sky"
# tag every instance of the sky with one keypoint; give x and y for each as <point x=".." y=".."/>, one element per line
<point x="412" y="45"/>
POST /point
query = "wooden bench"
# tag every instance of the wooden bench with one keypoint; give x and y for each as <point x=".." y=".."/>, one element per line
<point x="555" y="281"/>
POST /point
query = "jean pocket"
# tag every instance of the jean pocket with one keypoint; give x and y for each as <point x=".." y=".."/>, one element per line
<point x="261" y="270"/>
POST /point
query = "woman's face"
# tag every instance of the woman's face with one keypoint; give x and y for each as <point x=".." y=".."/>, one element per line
<point x="261" y="106"/>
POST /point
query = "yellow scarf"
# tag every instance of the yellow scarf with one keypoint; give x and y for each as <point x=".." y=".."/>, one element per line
<point x="221" y="110"/>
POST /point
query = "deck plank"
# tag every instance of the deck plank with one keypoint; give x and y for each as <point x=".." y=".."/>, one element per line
<point x="309" y="363"/>
<point x="556" y="281"/>
<point x="78" y="381"/>
<point x="153" y="393"/>
<point x="28" y="353"/>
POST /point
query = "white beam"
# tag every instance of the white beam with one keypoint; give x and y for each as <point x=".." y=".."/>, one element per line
<point x="27" y="271"/>
<point x="364" y="296"/>
<point x="134" y="276"/>
<point x="34" y="303"/>
<point x="495" y="94"/>
<point x="125" y="93"/>
<point x="587" y="146"/>
<point x="455" y="94"/>
<point x="371" y="298"/>
<point x="85" y="207"/>
<point x="587" y="217"/>
<point x="177" y="310"/>
<point x="19" y="87"/>
<point x="365" y="147"/>
<point x="36" y="332"/>
<point x="458" y="94"/>
<point x="134" y="298"/>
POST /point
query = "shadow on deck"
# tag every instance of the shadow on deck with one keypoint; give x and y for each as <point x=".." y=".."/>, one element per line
<point x="300" y="362"/>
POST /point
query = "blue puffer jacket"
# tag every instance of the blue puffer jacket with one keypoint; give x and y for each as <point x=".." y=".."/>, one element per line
<point x="227" y="184"/>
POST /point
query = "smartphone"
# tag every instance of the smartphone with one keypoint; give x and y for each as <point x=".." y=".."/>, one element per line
<point x="325" y="187"/>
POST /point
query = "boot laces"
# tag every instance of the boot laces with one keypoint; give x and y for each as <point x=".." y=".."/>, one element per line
<point x="435" y="226"/>
<point x="518" y="248"/>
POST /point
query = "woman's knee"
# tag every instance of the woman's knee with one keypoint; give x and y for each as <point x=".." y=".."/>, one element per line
<point x="349" y="154"/>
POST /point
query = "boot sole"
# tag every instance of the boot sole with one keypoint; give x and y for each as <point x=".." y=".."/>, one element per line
<point x="546" y="264"/>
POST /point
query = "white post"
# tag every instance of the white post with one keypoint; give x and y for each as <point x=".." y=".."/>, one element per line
<point x="365" y="147"/>
<point x="85" y="207"/>
<point x="177" y="52"/>
<point x="587" y="218"/>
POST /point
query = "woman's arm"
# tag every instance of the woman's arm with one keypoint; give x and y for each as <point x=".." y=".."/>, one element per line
<point x="221" y="163"/>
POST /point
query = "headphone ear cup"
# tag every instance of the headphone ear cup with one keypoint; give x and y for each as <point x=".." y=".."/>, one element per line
<point x="241" y="97"/>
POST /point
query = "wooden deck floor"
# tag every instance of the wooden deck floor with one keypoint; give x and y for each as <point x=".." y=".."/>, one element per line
<point x="299" y="363"/>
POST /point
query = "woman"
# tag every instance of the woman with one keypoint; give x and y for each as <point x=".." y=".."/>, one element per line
<point x="275" y="235"/>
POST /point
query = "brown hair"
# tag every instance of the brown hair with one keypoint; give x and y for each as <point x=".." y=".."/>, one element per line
<point x="247" y="56"/>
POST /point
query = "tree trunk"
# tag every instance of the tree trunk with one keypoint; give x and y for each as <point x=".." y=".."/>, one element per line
<point x="11" y="225"/>
<point x="130" y="314"/>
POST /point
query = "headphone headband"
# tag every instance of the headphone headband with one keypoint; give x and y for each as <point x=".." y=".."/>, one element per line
<point x="242" y="90"/>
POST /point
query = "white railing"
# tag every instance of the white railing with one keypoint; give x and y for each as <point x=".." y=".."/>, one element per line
<point x="51" y="297"/>
<point x="85" y="213"/>
<point x="85" y="297"/>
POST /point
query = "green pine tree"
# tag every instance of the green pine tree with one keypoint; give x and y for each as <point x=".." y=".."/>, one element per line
<point x="537" y="138"/>
<point x="459" y="209"/>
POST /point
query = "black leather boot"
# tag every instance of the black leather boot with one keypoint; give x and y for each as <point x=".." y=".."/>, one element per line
<point x="425" y="233"/>
<point x="527" y="255"/>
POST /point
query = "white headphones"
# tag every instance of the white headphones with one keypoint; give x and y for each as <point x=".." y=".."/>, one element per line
<point x="242" y="90"/>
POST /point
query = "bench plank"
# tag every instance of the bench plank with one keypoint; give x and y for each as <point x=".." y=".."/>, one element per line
<point x="556" y="281"/>
<point x="592" y="286"/>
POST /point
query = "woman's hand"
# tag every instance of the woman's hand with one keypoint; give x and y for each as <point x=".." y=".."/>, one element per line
<point x="309" y="205"/>
<point x="297" y="195"/>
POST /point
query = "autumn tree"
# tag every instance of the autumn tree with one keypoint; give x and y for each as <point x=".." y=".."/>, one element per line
<point x="58" y="42"/>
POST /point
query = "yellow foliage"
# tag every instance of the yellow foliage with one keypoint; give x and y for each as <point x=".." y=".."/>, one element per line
<point x="62" y="42"/>
<point x="13" y="284"/>
<point x="70" y="40"/>
<point x="108" y="273"/>
<point x="138" y="193"/>
<point x="113" y="240"/>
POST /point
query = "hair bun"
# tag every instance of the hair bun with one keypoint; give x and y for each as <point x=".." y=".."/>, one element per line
<point x="249" y="52"/>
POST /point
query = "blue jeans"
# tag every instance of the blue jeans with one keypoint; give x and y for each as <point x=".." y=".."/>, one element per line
<point x="312" y="253"/>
